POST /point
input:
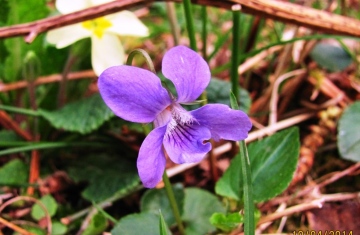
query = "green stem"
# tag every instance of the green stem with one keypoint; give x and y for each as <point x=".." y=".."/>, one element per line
<point x="190" y="24"/>
<point x="29" y="146"/>
<point x="173" y="204"/>
<point x="249" y="222"/>
<point x="235" y="54"/>
<point x="204" y="32"/>
<point x="19" y="110"/>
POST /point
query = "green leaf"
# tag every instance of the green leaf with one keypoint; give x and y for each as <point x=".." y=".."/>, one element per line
<point x="162" y="225"/>
<point x="82" y="116"/>
<point x="226" y="222"/>
<point x="107" y="175"/>
<point x="198" y="208"/>
<point x="273" y="163"/>
<point x="218" y="92"/>
<point x="50" y="204"/>
<point x="155" y="199"/>
<point x="348" y="139"/>
<point x="58" y="228"/>
<point x="233" y="101"/>
<point x="135" y="224"/>
<point x="14" y="172"/>
<point x="331" y="57"/>
<point x="98" y="224"/>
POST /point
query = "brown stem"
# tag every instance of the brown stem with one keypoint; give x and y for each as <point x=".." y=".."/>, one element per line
<point x="47" y="79"/>
<point x="15" y="227"/>
<point x="7" y="122"/>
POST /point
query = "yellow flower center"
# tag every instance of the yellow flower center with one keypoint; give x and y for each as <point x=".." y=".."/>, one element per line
<point x="97" y="26"/>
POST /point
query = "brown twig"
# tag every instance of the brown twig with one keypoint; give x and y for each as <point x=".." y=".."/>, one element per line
<point x="7" y="122"/>
<point x="291" y="210"/>
<point x="32" y="29"/>
<point x="328" y="88"/>
<point x="283" y="11"/>
<point x="15" y="227"/>
<point x="47" y="79"/>
<point x="317" y="203"/>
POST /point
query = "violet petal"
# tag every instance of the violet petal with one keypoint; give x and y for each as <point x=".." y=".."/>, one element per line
<point x="185" y="143"/>
<point x="132" y="93"/>
<point x="188" y="71"/>
<point x="223" y="122"/>
<point x="151" y="161"/>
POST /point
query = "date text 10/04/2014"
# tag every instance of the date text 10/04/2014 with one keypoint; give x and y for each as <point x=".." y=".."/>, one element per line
<point x="320" y="232"/>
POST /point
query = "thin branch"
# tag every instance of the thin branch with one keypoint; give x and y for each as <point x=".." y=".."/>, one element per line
<point x="317" y="203"/>
<point x="32" y="29"/>
<point x="274" y="94"/>
<point x="15" y="227"/>
<point x="7" y="122"/>
<point x="47" y="79"/>
<point x="282" y="11"/>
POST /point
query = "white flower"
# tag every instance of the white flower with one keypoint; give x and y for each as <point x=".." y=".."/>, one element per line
<point x="106" y="48"/>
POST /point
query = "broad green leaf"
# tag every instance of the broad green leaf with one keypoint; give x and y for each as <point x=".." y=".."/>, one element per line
<point x="331" y="57"/>
<point x="226" y="222"/>
<point x="273" y="163"/>
<point x="37" y="212"/>
<point x="198" y="207"/>
<point x="98" y="224"/>
<point x="82" y="116"/>
<point x="106" y="175"/>
<point x="14" y="172"/>
<point x="58" y="228"/>
<point x="135" y="224"/>
<point x="155" y="199"/>
<point x="162" y="225"/>
<point x="348" y="138"/>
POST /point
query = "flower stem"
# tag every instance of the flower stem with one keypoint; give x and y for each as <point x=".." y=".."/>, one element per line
<point x="249" y="222"/>
<point x="190" y="24"/>
<point x="174" y="206"/>
<point x="235" y="54"/>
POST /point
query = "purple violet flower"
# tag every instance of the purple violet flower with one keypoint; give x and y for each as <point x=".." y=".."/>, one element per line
<point x="137" y="95"/>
